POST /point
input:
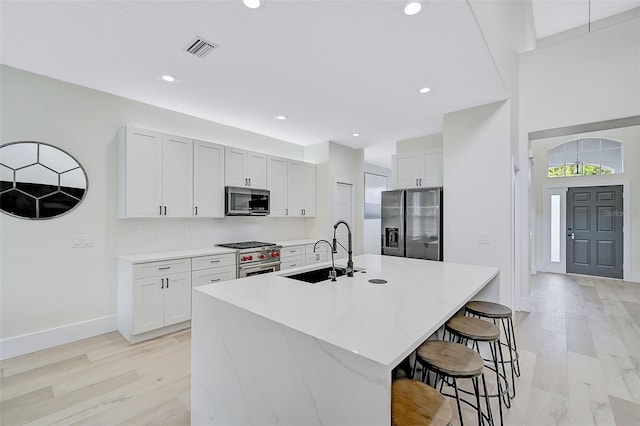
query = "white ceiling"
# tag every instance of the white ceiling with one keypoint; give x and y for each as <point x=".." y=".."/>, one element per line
<point x="334" y="67"/>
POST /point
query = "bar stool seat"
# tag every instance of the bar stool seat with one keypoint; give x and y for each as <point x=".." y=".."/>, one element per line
<point x="488" y="309"/>
<point x="478" y="330"/>
<point x="503" y="316"/>
<point x="473" y="328"/>
<point x="414" y="403"/>
<point x="454" y="361"/>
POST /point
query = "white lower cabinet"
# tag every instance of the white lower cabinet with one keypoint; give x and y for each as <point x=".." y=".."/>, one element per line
<point x="213" y="269"/>
<point x="161" y="301"/>
<point x="292" y="257"/>
<point x="302" y="255"/>
<point x="154" y="297"/>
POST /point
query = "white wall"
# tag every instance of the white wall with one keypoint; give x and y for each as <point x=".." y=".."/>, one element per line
<point x="44" y="282"/>
<point x="508" y="29"/>
<point x="630" y="137"/>
<point x="585" y="79"/>
<point x="477" y="196"/>
<point x="419" y="143"/>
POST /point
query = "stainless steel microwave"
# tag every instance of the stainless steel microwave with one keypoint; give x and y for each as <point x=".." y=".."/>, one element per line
<point x="240" y="201"/>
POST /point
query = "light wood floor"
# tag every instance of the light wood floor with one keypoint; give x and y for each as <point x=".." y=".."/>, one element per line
<point x="579" y="354"/>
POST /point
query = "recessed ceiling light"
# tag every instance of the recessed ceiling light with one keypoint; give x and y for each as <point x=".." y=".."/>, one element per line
<point x="412" y="8"/>
<point x="281" y="117"/>
<point x="425" y="90"/>
<point x="356" y="134"/>
<point x="168" y="78"/>
<point x="251" y="4"/>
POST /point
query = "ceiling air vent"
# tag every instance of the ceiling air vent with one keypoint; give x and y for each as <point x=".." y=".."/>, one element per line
<point x="200" y="47"/>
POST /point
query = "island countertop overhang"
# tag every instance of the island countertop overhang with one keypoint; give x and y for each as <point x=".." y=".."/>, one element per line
<point x="381" y="322"/>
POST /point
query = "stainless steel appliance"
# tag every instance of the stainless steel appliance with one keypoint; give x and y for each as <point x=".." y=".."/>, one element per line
<point x="255" y="257"/>
<point x="412" y="223"/>
<point x="246" y="201"/>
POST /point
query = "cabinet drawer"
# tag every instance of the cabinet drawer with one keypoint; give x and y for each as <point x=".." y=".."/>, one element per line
<point x="293" y="251"/>
<point x="213" y="261"/>
<point x="213" y="275"/>
<point x="292" y="262"/>
<point x="156" y="269"/>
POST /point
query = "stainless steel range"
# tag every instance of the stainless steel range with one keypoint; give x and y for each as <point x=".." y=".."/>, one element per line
<point x="255" y="257"/>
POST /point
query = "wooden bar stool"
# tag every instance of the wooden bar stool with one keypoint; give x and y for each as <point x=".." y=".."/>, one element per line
<point x="502" y="316"/>
<point x="452" y="361"/>
<point x="413" y="403"/>
<point x="465" y="329"/>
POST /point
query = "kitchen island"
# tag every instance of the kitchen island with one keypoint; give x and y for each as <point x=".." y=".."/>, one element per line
<point x="268" y="349"/>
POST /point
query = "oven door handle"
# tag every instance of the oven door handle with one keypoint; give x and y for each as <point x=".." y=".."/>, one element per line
<point x="259" y="266"/>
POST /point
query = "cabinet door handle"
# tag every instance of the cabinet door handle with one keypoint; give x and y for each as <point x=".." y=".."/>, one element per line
<point x="214" y="261"/>
<point x="162" y="281"/>
<point x="286" y="212"/>
<point x="160" y="207"/>
<point x="164" y="268"/>
<point x="167" y="282"/>
<point x="420" y="181"/>
<point x="249" y="181"/>
<point x="214" y="280"/>
<point x="293" y="264"/>
<point x="165" y="210"/>
<point x="196" y="210"/>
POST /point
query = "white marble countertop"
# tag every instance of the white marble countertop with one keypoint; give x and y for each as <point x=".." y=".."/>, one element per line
<point x="382" y="322"/>
<point x="289" y="243"/>
<point x="177" y="254"/>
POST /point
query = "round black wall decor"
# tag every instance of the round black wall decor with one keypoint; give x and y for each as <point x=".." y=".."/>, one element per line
<point x="39" y="181"/>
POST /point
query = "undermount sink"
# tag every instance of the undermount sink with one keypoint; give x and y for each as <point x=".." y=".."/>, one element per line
<point x="317" y="275"/>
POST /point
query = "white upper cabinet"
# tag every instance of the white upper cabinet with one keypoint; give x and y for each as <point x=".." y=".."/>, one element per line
<point x="417" y="169"/>
<point x="208" y="179"/>
<point x="308" y="189"/>
<point x="301" y="188"/>
<point x="245" y="168"/>
<point x="156" y="174"/>
<point x="277" y="185"/>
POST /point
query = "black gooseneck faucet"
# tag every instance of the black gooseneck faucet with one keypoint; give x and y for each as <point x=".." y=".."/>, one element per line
<point x="349" y="249"/>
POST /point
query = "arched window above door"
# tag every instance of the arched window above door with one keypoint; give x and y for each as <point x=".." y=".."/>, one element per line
<point x="583" y="157"/>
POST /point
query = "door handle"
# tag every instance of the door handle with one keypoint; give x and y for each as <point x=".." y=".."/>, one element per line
<point x="162" y="281"/>
<point x="572" y="235"/>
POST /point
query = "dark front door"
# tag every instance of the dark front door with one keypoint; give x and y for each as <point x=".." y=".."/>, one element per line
<point x="594" y="231"/>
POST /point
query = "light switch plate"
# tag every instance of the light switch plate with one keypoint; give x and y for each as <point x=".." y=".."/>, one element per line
<point x="82" y="241"/>
<point x="484" y="239"/>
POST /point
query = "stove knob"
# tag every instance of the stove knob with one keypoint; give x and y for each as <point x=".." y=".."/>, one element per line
<point x="277" y="253"/>
<point x="243" y="258"/>
<point x="250" y="258"/>
<point x="262" y="256"/>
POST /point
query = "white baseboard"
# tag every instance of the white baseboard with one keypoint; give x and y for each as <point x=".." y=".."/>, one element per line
<point x="632" y="277"/>
<point x="32" y="342"/>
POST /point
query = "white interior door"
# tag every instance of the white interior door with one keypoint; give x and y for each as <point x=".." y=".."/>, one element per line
<point x="343" y="210"/>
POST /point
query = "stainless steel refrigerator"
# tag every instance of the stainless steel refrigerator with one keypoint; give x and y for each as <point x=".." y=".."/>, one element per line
<point x="412" y="223"/>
